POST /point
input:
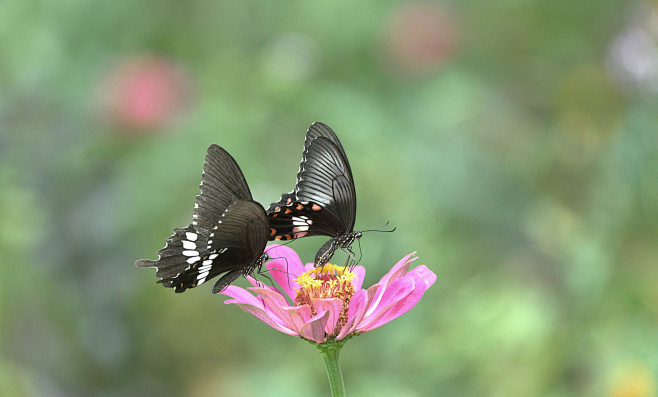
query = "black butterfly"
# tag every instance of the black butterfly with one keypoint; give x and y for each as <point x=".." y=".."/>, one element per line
<point x="228" y="234"/>
<point x="323" y="202"/>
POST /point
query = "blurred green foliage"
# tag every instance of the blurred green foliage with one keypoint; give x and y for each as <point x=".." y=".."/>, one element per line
<point x="509" y="144"/>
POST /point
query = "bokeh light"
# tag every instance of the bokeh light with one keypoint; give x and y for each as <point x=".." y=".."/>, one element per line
<point x="144" y="93"/>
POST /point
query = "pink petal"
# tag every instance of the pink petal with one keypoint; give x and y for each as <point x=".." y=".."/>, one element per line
<point x="309" y="266"/>
<point x="396" y="291"/>
<point x="240" y="295"/>
<point x="274" y="303"/>
<point x="428" y="276"/>
<point x="360" y="275"/>
<point x="262" y="316"/>
<point x="333" y="307"/>
<point x="284" y="267"/>
<point x="314" y="328"/>
<point x="298" y="315"/>
<point x="396" y="272"/>
<point x="358" y="306"/>
<point x="400" y="307"/>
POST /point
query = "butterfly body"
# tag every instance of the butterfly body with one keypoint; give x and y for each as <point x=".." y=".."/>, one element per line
<point x="344" y="241"/>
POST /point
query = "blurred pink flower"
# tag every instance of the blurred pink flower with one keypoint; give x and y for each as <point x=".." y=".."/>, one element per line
<point x="145" y="92"/>
<point x="328" y="302"/>
<point x="420" y="37"/>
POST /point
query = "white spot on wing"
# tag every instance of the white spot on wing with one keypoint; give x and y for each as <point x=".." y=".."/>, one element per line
<point x="202" y="276"/>
<point x="190" y="253"/>
<point x="191" y="236"/>
<point x="188" y="245"/>
<point x="213" y="256"/>
<point x="193" y="259"/>
<point x="300" y="223"/>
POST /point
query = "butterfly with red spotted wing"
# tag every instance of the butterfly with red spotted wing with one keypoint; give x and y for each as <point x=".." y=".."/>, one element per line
<point x="227" y="236"/>
<point x="323" y="202"/>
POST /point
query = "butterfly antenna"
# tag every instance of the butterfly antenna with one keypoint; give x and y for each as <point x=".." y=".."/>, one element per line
<point x="279" y="270"/>
<point x="377" y="229"/>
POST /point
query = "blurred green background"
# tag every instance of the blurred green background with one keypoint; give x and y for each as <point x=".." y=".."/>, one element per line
<point x="513" y="144"/>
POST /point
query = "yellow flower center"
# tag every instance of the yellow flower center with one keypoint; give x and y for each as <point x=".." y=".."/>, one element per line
<point x="328" y="281"/>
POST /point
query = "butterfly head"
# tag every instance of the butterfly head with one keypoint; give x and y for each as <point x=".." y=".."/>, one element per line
<point x="358" y="235"/>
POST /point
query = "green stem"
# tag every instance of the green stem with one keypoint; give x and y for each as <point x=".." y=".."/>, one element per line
<point x="330" y="352"/>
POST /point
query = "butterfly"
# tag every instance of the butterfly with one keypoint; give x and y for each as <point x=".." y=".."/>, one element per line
<point x="323" y="202"/>
<point x="227" y="236"/>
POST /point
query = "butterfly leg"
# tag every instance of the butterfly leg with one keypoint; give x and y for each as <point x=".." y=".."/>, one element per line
<point x="351" y="257"/>
<point x="267" y="277"/>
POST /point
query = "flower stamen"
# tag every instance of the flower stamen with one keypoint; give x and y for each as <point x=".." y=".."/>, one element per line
<point x="328" y="281"/>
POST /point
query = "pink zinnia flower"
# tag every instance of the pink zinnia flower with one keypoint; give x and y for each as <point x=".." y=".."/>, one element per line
<point x="328" y="303"/>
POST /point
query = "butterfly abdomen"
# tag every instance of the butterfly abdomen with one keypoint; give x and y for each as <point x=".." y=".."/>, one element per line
<point x="325" y="252"/>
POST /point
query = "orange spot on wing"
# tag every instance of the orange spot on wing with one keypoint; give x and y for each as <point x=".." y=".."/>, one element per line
<point x="277" y="238"/>
<point x="275" y="215"/>
<point x="288" y="237"/>
<point x="316" y="207"/>
<point x="300" y="234"/>
<point x="272" y="231"/>
<point x="299" y="207"/>
<point x="277" y="209"/>
<point x="288" y="210"/>
<point x="289" y="200"/>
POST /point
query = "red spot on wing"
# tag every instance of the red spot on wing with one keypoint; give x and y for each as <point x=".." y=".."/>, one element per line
<point x="277" y="209"/>
<point x="299" y="207"/>
<point x="277" y="238"/>
<point x="316" y="207"/>
<point x="272" y="231"/>
<point x="288" y="210"/>
<point x="288" y="237"/>
<point x="275" y="215"/>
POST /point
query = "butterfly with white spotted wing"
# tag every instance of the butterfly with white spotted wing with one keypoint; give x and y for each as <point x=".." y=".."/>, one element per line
<point x="227" y="236"/>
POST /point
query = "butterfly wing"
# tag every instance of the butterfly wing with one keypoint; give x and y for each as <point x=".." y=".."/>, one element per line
<point x="316" y="130"/>
<point x="184" y="250"/>
<point x="242" y="235"/>
<point x="319" y="129"/>
<point x="191" y="258"/>
<point x="222" y="183"/>
<point x="227" y="231"/>
<point x="324" y="199"/>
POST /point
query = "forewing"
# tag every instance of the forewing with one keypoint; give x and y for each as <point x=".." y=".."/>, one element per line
<point x="324" y="179"/>
<point x="222" y="183"/>
<point x="316" y="130"/>
<point x="319" y="129"/>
